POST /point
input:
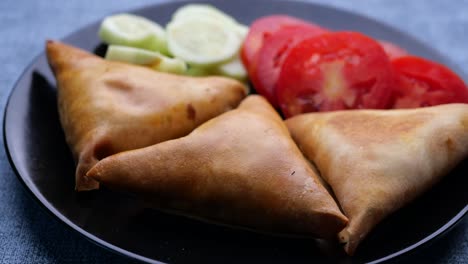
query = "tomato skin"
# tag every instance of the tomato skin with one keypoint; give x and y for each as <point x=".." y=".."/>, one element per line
<point x="422" y="82"/>
<point x="335" y="71"/>
<point x="392" y="50"/>
<point x="261" y="29"/>
<point x="272" y="54"/>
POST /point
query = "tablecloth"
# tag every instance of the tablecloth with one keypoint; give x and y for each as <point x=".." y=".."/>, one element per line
<point x="28" y="234"/>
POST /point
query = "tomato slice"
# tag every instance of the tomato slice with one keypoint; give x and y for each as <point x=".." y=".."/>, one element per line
<point x="272" y="54"/>
<point x="393" y="51"/>
<point x="334" y="71"/>
<point x="259" y="30"/>
<point x="421" y="82"/>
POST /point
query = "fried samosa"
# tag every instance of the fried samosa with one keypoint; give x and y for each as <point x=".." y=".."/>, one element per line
<point x="107" y="107"/>
<point x="378" y="161"/>
<point x="241" y="168"/>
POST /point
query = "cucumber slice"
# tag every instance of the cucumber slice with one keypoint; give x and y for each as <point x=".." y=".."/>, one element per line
<point x="234" y="69"/>
<point x="199" y="71"/>
<point x="230" y="73"/>
<point x="135" y="31"/>
<point x="209" y="11"/>
<point x="242" y="31"/>
<point x="202" y="10"/>
<point x="172" y="65"/>
<point x="154" y="60"/>
<point x="202" y="41"/>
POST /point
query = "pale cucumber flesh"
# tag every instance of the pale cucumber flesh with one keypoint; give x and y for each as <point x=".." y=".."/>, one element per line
<point x="234" y="69"/>
<point x="154" y="60"/>
<point x="134" y="31"/>
<point x="209" y="11"/>
<point x="202" y="10"/>
<point x="202" y="41"/>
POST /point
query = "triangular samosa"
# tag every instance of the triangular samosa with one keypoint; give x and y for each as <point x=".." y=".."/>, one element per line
<point x="378" y="161"/>
<point x="241" y="168"/>
<point x="106" y="107"/>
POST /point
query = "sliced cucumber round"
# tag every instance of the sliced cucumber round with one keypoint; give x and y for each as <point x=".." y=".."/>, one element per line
<point x="202" y="10"/>
<point x="234" y="69"/>
<point x="154" y="60"/>
<point x="209" y="11"/>
<point x="242" y="31"/>
<point x="199" y="71"/>
<point x="135" y="31"/>
<point x="202" y="41"/>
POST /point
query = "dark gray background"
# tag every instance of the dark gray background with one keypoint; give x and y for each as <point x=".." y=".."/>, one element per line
<point x="30" y="235"/>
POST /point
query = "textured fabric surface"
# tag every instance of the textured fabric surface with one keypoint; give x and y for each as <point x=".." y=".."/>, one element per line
<point x="28" y="234"/>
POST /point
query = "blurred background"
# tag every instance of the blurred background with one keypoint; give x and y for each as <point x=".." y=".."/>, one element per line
<point x="28" y="234"/>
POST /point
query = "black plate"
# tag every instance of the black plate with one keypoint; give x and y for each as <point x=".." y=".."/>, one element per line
<point x="37" y="150"/>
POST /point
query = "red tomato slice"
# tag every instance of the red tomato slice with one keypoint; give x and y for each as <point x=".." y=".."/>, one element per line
<point x="261" y="29"/>
<point x="334" y="71"/>
<point x="421" y="82"/>
<point x="272" y="54"/>
<point x="393" y="51"/>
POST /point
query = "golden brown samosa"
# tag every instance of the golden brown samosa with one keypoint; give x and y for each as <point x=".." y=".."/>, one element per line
<point x="241" y="168"/>
<point x="378" y="161"/>
<point x="106" y="107"/>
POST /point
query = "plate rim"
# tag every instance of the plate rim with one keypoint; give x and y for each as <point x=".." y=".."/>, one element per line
<point x="37" y="196"/>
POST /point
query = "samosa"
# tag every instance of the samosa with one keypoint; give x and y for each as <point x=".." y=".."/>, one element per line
<point x="377" y="161"/>
<point x="241" y="168"/>
<point x="107" y="107"/>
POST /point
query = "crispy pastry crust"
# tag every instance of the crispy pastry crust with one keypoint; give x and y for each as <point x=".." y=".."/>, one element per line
<point x="378" y="161"/>
<point x="106" y="107"/>
<point x="241" y="168"/>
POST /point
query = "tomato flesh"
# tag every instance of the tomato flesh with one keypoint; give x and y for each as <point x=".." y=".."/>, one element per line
<point x="272" y="54"/>
<point x="335" y="71"/>
<point x="261" y="29"/>
<point x="392" y="50"/>
<point x="421" y="83"/>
